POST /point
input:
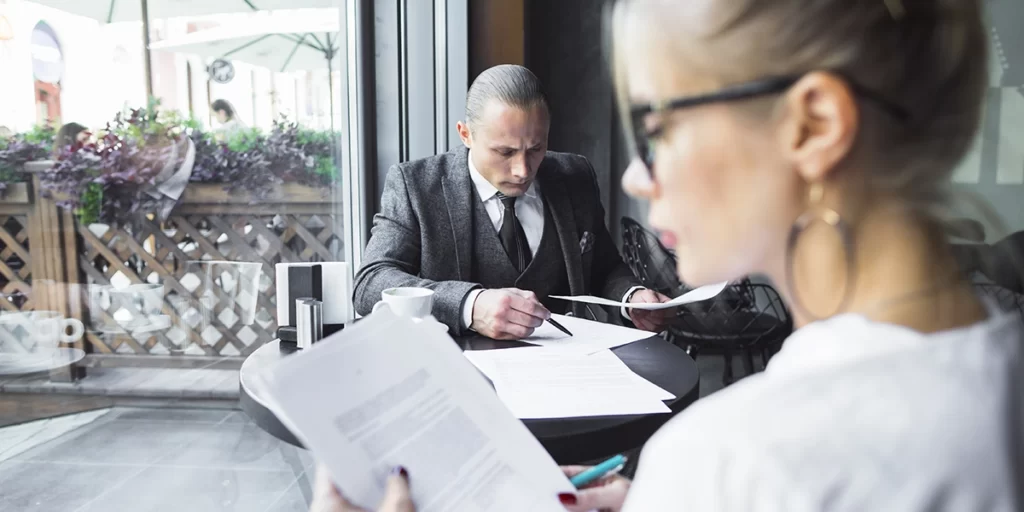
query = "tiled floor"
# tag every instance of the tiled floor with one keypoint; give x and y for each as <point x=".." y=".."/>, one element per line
<point x="139" y="382"/>
<point x="140" y="459"/>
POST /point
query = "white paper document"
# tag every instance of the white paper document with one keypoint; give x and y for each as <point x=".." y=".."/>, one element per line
<point x="587" y="336"/>
<point x="695" y="295"/>
<point x="546" y="383"/>
<point x="385" y="393"/>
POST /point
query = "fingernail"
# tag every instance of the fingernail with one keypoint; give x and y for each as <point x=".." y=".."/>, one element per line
<point x="567" y="499"/>
<point x="400" y="471"/>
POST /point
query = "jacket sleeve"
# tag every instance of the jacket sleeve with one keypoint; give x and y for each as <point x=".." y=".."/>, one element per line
<point x="392" y="258"/>
<point x="610" y="276"/>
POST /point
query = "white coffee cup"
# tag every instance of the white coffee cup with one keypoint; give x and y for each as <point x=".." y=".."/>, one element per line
<point x="41" y="331"/>
<point x="408" y="302"/>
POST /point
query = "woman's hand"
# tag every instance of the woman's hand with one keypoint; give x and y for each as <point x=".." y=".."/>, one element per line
<point x="608" y="493"/>
<point x="326" y="497"/>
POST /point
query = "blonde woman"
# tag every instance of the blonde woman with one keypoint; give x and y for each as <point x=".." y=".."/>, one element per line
<point x="812" y="141"/>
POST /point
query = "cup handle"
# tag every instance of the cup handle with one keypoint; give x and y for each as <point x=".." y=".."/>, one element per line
<point x="378" y="305"/>
<point x="77" y="330"/>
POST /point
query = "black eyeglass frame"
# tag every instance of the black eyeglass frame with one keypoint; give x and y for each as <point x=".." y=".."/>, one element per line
<point x="746" y="90"/>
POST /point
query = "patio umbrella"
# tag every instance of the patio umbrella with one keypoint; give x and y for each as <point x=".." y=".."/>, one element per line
<point x="297" y="40"/>
<point x="113" y="11"/>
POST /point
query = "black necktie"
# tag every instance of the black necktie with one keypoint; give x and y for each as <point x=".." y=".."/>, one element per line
<point x="513" y="238"/>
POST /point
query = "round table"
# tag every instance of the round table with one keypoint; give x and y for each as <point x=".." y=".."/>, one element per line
<point x="26" y="363"/>
<point x="569" y="440"/>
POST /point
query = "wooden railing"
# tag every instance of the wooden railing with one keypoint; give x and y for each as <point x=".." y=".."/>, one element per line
<point x="49" y="261"/>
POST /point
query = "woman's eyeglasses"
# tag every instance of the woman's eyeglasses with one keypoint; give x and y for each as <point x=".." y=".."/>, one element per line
<point x="642" y="137"/>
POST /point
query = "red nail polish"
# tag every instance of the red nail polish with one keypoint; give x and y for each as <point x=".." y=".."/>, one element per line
<point x="399" y="470"/>
<point x="567" y="499"/>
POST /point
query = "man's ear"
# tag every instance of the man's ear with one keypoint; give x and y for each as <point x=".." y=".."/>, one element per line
<point x="820" y="125"/>
<point x="464" y="134"/>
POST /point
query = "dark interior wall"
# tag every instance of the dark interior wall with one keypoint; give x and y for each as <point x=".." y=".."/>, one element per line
<point x="564" y="46"/>
<point x="496" y="34"/>
<point x="564" y="50"/>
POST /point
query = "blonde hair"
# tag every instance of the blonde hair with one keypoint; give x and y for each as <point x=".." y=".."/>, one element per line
<point x="928" y="56"/>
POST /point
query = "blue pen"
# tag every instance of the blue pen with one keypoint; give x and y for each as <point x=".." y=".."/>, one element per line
<point x="608" y="467"/>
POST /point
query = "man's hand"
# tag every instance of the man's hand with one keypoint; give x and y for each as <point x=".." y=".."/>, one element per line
<point x="654" y="321"/>
<point x="507" y="314"/>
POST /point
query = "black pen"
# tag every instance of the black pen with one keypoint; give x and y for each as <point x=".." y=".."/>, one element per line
<point x="559" y="326"/>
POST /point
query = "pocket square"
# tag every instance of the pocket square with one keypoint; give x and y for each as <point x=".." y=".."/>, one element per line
<point x="586" y="242"/>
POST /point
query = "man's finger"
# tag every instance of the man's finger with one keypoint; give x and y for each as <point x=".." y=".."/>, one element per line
<point x="526" y="294"/>
<point x="510" y="331"/>
<point x="396" y="496"/>
<point x="523" y="319"/>
<point x="530" y="307"/>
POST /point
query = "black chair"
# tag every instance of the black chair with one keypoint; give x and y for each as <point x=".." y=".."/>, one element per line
<point x="1004" y="263"/>
<point x="746" y="318"/>
<point x="1007" y="300"/>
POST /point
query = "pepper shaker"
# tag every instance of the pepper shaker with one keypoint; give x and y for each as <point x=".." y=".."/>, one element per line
<point x="309" y="321"/>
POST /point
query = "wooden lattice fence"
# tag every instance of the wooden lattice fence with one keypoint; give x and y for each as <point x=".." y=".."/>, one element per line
<point x="148" y="289"/>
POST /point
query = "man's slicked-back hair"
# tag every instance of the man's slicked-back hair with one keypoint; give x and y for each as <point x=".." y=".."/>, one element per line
<point x="510" y="84"/>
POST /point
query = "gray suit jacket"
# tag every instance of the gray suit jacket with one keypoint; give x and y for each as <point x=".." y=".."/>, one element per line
<point x="423" y="235"/>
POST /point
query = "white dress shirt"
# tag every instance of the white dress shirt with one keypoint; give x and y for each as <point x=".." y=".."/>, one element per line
<point x="529" y="211"/>
<point x="851" y="415"/>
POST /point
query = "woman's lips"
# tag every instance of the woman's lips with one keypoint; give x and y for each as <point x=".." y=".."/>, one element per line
<point x="668" y="239"/>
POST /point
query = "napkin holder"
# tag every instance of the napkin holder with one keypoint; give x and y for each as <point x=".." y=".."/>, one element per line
<point x="328" y="282"/>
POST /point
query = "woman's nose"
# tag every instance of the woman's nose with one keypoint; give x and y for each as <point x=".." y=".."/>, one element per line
<point x="637" y="182"/>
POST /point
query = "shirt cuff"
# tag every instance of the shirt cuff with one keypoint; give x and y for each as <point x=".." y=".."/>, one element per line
<point x="467" y="307"/>
<point x="625" y="298"/>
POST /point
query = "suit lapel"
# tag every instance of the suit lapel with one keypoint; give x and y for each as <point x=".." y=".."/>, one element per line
<point x="557" y="197"/>
<point x="458" y="194"/>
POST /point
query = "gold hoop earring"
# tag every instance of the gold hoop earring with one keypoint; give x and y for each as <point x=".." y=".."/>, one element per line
<point x="818" y="212"/>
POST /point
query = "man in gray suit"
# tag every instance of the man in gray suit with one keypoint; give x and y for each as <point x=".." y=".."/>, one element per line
<point x="498" y="226"/>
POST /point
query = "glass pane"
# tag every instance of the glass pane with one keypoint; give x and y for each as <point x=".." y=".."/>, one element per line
<point x="148" y="200"/>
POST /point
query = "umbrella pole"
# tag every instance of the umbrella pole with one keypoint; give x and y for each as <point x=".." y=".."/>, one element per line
<point x="147" y="57"/>
<point x="330" y="78"/>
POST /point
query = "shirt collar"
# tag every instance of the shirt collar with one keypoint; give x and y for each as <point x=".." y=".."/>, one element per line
<point x="851" y="338"/>
<point x="486" y="190"/>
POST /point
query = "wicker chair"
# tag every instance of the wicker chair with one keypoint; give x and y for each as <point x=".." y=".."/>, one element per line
<point x="746" y="318"/>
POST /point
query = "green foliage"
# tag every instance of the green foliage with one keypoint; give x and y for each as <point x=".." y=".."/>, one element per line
<point x="107" y="180"/>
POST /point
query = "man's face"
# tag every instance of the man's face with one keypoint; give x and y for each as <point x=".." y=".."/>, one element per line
<point x="508" y="144"/>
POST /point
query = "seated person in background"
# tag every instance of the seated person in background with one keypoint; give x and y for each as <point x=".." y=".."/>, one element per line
<point x="225" y="114"/>
<point x="497" y="226"/>
<point x="69" y="135"/>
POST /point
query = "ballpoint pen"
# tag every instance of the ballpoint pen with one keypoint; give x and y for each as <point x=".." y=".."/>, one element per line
<point x="559" y="326"/>
<point x="591" y="475"/>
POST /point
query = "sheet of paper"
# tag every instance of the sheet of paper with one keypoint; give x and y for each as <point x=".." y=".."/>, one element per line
<point x="695" y="295"/>
<point x="587" y="336"/>
<point x="384" y="393"/>
<point x="546" y="383"/>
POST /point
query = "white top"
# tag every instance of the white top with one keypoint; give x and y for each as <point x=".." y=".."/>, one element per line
<point x="529" y="211"/>
<point x="852" y="415"/>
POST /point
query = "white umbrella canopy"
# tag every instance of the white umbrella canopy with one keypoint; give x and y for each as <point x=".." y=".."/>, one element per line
<point x="112" y="11"/>
<point x="282" y="41"/>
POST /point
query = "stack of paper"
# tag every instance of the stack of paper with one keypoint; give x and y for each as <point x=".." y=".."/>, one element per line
<point x="552" y="383"/>
<point x="384" y="393"/>
<point x="587" y="337"/>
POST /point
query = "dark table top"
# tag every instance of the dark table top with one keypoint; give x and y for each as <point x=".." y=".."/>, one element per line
<point x="568" y="440"/>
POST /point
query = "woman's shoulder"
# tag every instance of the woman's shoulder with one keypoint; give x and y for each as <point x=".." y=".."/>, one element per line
<point x="826" y="423"/>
